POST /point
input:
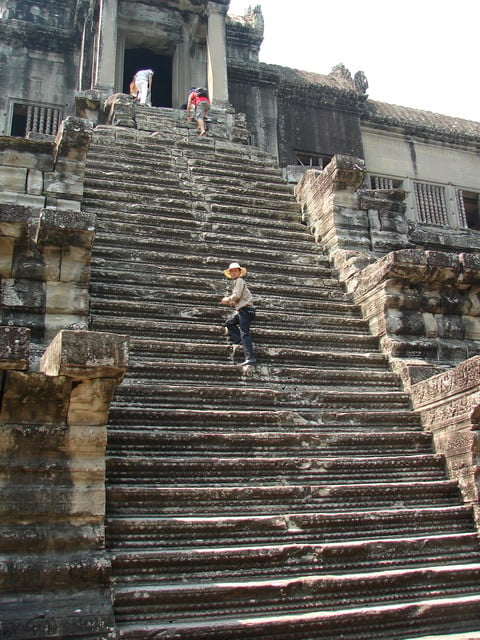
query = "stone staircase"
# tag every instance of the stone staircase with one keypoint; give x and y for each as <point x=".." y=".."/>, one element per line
<point x="296" y="499"/>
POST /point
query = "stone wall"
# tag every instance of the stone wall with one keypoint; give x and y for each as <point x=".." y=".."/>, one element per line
<point x="54" y="571"/>
<point x="45" y="239"/>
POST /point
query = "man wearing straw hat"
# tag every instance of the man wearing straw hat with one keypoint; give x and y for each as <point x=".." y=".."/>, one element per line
<point x="238" y="325"/>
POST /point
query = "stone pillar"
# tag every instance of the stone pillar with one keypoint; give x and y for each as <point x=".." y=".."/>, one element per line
<point x="217" y="54"/>
<point x="105" y="63"/>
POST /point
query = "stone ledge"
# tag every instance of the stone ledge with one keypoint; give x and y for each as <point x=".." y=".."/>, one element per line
<point x="83" y="355"/>
<point x="61" y="227"/>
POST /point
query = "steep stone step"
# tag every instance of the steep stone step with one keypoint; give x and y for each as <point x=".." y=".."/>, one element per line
<point x="191" y="396"/>
<point x="206" y="309"/>
<point x="207" y="273"/>
<point x="164" y="565"/>
<point x="145" y="251"/>
<point x="296" y="594"/>
<point x="160" y="239"/>
<point x="172" y="442"/>
<point x="128" y="499"/>
<point x="284" y="378"/>
<point x="308" y="470"/>
<point x="198" y="327"/>
<point x="156" y="283"/>
<point x="163" y="351"/>
<point x="297" y="528"/>
<point x="425" y="616"/>
<point x="266" y="419"/>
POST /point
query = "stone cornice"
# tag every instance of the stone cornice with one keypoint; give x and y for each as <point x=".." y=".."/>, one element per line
<point x="440" y="131"/>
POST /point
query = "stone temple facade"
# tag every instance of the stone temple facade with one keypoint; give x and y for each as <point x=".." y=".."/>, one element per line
<point x="390" y="195"/>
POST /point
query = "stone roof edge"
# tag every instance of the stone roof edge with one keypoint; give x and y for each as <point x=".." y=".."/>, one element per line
<point x="420" y="123"/>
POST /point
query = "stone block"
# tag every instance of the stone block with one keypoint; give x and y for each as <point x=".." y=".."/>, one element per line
<point x="73" y="139"/>
<point x="64" y="184"/>
<point x="13" y="179"/>
<point x="14" y="347"/>
<point x="75" y="265"/>
<point x="470" y="268"/>
<point x="35" y="398"/>
<point x="82" y="355"/>
<point x="14" y="220"/>
<point x="7" y="246"/>
<point x="52" y="257"/>
<point x="450" y="327"/>
<point x="22" y="199"/>
<point x="90" y="402"/>
<point x="60" y="227"/>
<point x="66" y="298"/>
<point x="35" y="182"/>
<point x="471" y="326"/>
<point x="56" y="322"/>
<point x="67" y="205"/>
<point x="22" y="295"/>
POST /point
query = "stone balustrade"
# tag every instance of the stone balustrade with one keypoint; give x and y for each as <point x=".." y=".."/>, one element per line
<point x="449" y="404"/>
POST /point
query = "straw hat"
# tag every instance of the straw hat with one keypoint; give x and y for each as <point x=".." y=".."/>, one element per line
<point x="234" y="265"/>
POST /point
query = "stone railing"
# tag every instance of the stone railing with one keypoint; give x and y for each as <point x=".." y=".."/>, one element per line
<point x="55" y="575"/>
<point x="423" y="305"/>
<point x="449" y="404"/>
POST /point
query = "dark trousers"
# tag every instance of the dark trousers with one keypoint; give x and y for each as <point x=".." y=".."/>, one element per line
<point x="239" y="330"/>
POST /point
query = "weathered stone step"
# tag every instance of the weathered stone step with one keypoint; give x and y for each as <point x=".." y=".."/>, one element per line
<point x="105" y="189"/>
<point x="182" y="212"/>
<point x="239" y="185"/>
<point x="193" y="601"/>
<point x="163" y="165"/>
<point x="273" y="290"/>
<point x="155" y="396"/>
<point x="145" y="251"/>
<point x="231" y="168"/>
<point x="427" y="616"/>
<point x="206" y="308"/>
<point x="154" y="441"/>
<point x="320" y="527"/>
<point x="145" y="349"/>
<point x="283" y="378"/>
<point x="267" y="420"/>
<point x="146" y="223"/>
<point x="208" y="271"/>
<point x="201" y="330"/>
<point x="251" y="471"/>
<point x="129" y="499"/>
<point x="166" y="565"/>
<point x="160" y="239"/>
<point x="130" y="144"/>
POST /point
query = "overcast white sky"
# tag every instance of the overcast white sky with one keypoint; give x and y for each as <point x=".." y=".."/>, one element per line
<point x="414" y="53"/>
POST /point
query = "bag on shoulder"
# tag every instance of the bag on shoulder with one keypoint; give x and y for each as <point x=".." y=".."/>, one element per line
<point x="133" y="89"/>
<point x="201" y="92"/>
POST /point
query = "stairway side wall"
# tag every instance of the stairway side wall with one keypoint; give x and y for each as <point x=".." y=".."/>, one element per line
<point x="422" y="304"/>
<point x="55" y="399"/>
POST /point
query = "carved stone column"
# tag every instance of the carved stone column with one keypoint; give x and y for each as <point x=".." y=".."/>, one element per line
<point x="217" y="54"/>
<point x="105" y="63"/>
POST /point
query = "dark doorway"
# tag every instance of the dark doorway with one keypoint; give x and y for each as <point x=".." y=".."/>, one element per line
<point x="136" y="59"/>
